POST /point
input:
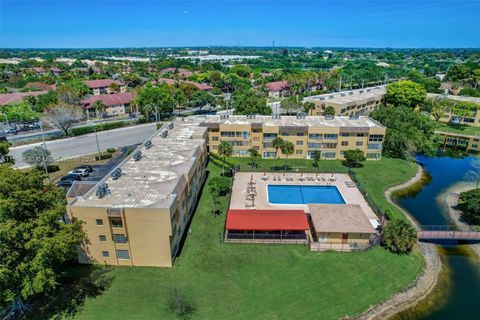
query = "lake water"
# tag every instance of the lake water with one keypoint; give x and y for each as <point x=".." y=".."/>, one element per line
<point x="458" y="296"/>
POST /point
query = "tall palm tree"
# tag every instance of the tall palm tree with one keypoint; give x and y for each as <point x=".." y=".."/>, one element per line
<point x="287" y="149"/>
<point x="277" y="143"/>
<point x="225" y="149"/>
<point x="253" y="156"/>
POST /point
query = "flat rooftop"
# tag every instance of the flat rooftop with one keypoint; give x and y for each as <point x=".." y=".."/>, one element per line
<point x="290" y="121"/>
<point x="350" y="96"/>
<point x="155" y="179"/>
<point x="454" y="97"/>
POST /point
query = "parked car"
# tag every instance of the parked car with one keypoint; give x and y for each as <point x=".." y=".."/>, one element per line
<point x="80" y="172"/>
<point x="11" y="131"/>
<point x="87" y="167"/>
<point x="67" y="181"/>
<point x="34" y="125"/>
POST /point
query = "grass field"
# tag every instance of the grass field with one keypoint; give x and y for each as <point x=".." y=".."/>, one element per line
<point x="235" y="281"/>
<point x="460" y="129"/>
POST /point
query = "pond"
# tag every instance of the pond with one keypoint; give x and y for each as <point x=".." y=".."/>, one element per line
<point x="458" y="293"/>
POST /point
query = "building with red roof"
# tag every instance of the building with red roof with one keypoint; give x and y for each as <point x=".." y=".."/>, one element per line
<point x="42" y="71"/>
<point x="267" y="226"/>
<point x="8" y="98"/>
<point x="117" y="104"/>
<point x="278" y="89"/>
<point x="103" y="86"/>
<point x="171" y="82"/>
<point x="41" y="86"/>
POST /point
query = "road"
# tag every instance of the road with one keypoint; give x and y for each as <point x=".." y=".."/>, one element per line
<point x="86" y="144"/>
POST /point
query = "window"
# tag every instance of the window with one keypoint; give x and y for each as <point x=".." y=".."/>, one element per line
<point x="329" y="155"/>
<point x="214" y="138"/>
<point x="300" y="134"/>
<point x="102" y="238"/>
<point x="359" y="143"/>
<point x="373" y="155"/>
<point x="268" y="154"/>
<point x="119" y="238"/>
<point x="375" y="146"/>
<point x="299" y="143"/>
<point x="330" y="145"/>
<point x="344" y="143"/>
<point x="105" y="254"/>
<point x="375" y="138"/>
<point x="116" y="223"/>
<point x="256" y="138"/>
<point x="99" y="222"/>
<point x="314" y="145"/>
<point x="360" y="134"/>
<point x="345" y="134"/>
<point x="315" y="136"/>
<point x="330" y="136"/>
<point x="298" y="151"/>
<point x="123" y="254"/>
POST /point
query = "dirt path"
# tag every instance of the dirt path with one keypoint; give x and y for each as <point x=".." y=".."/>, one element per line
<point x="425" y="282"/>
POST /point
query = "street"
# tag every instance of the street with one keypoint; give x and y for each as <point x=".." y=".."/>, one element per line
<point x="86" y="144"/>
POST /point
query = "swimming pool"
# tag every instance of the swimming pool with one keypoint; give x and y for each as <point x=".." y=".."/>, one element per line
<point x="298" y="194"/>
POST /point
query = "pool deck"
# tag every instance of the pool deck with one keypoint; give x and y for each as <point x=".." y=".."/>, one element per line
<point x="241" y="200"/>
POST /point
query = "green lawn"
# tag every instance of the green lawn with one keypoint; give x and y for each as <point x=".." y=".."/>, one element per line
<point x="460" y="129"/>
<point x="235" y="281"/>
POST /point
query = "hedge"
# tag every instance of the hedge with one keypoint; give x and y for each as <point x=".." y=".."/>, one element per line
<point x="99" y="127"/>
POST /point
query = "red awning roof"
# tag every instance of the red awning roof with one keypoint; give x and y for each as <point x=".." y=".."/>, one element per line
<point x="268" y="220"/>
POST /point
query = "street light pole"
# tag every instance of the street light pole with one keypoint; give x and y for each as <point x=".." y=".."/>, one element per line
<point x="96" y="139"/>
<point x="44" y="150"/>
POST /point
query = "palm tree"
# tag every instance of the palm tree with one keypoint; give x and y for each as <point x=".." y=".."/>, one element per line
<point x="316" y="158"/>
<point x="253" y="156"/>
<point x="277" y="143"/>
<point x="287" y="149"/>
<point x="225" y="149"/>
<point x="100" y="108"/>
<point x="399" y="235"/>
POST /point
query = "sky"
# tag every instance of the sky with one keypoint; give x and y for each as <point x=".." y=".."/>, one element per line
<point x="321" y="23"/>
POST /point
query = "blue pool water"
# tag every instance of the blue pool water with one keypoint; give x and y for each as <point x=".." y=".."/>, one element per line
<point x="285" y="194"/>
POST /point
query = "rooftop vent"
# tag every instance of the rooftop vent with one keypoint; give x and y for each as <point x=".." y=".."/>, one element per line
<point x="137" y="155"/>
<point x="343" y="94"/>
<point x="148" y="144"/>
<point x="361" y="91"/>
<point x="331" y="96"/>
<point x="117" y="173"/>
<point x="353" y="117"/>
<point x="329" y="117"/>
<point x="322" y="98"/>
<point x="164" y="133"/>
<point x="102" y="190"/>
<point x="170" y="125"/>
<point x="351" y="92"/>
<point x="368" y="90"/>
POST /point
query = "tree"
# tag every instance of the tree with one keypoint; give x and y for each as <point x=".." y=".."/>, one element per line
<point x="354" y="157"/>
<point x="250" y="101"/>
<point x="329" y="111"/>
<point x="253" y="156"/>
<point x="200" y="99"/>
<point x="405" y="93"/>
<point x="316" y="158"/>
<point x="287" y="149"/>
<point x="277" y="143"/>
<point x="72" y="92"/>
<point x="4" y="149"/>
<point x="308" y="106"/>
<point x="37" y="157"/>
<point x="100" y="107"/>
<point x="20" y="111"/>
<point x="222" y="186"/>
<point x="474" y="173"/>
<point x="409" y="132"/>
<point x="399" y="235"/>
<point x="155" y="99"/>
<point x="469" y="204"/>
<point x="291" y="104"/>
<point x="45" y="100"/>
<point x="62" y="116"/>
<point x="35" y="242"/>
<point x="241" y="70"/>
<point x="179" y="305"/>
<point x="225" y="149"/>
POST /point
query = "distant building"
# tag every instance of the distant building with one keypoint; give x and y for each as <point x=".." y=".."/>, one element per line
<point x="102" y="86"/>
<point x="8" y="98"/>
<point x="472" y="120"/>
<point x="117" y="104"/>
<point x="182" y="73"/>
<point x="43" y="71"/>
<point x="278" y="89"/>
<point x="171" y="82"/>
<point x="359" y="102"/>
<point x="41" y="86"/>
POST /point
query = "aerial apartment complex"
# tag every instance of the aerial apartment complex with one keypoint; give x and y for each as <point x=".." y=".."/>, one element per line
<point x="359" y="102"/>
<point x="473" y="119"/>
<point x="331" y="136"/>
<point x="137" y="215"/>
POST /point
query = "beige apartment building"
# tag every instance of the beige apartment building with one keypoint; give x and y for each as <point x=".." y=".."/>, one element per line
<point x="472" y="120"/>
<point x="358" y="102"/>
<point x="137" y="215"/>
<point x="331" y="136"/>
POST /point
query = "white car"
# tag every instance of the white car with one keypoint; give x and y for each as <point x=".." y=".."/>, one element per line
<point x="80" y="172"/>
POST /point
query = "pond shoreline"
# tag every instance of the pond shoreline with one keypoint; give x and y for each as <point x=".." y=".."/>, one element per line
<point x="425" y="282"/>
<point x="449" y="201"/>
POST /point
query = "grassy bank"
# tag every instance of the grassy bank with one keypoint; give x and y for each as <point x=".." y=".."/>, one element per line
<point x="234" y="281"/>
<point x="458" y="128"/>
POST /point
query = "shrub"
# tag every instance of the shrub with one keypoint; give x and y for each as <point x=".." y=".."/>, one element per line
<point x="111" y="150"/>
<point x="469" y="204"/>
<point x="399" y="236"/>
<point x="221" y="185"/>
<point x="179" y="305"/>
<point x="103" y="156"/>
<point x="53" y="168"/>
